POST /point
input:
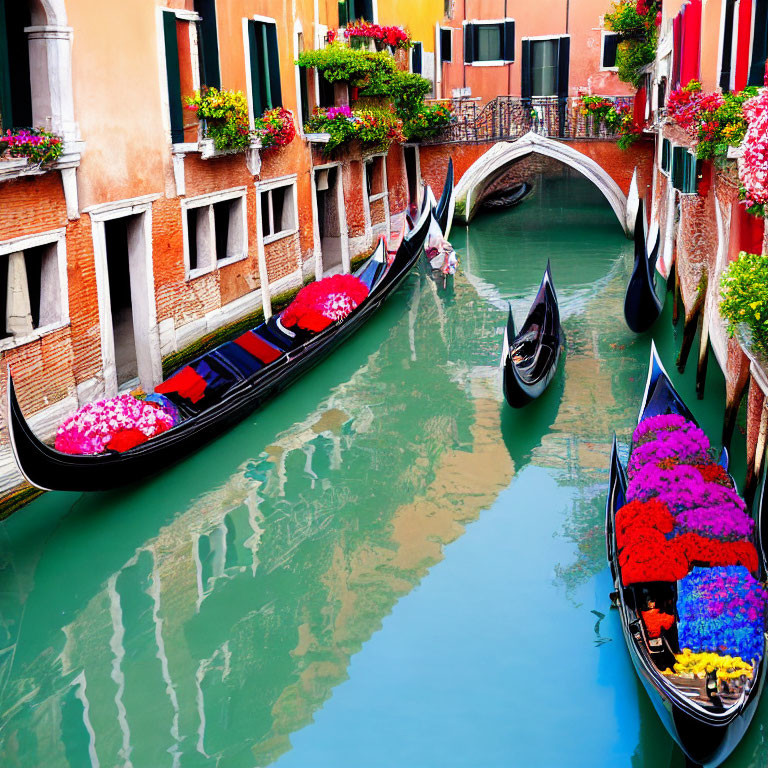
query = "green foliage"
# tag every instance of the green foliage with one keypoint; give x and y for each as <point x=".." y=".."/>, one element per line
<point x="632" y="56"/>
<point x="408" y="91"/>
<point x="363" y="69"/>
<point x="226" y="117"/>
<point x="635" y="21"/>
<point x="376" y="127"/>
<point x="428" y="121"/>
<point x="744" y="291"/>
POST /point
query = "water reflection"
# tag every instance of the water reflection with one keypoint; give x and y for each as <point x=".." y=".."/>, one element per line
<point x="317" y="565"/>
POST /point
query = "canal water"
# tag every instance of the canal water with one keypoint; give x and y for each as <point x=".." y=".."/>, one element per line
<point x="385" y="567"/>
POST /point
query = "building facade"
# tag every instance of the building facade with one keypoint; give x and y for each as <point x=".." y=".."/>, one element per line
<point x="142" y="239"/>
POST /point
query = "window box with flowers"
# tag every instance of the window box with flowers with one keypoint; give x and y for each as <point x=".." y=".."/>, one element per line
<point x="374" y="128"/>
<point x="392" y="37"/>
<point x="28" y="151"/>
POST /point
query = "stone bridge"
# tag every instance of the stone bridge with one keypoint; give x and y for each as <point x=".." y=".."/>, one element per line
<point x="479" y="166"/>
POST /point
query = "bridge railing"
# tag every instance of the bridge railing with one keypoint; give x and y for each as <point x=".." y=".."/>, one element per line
<point x="510" y="117"/>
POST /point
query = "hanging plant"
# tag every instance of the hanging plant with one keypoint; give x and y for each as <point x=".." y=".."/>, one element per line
<point x="226" y="117"/>
<point x="744" y="292"/>
<point x="275" y="128"/>
<point x="636" y="21"/>
<point x="36" y="144"/>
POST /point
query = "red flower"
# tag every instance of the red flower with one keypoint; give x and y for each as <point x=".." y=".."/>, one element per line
<point x="655" y="621"/>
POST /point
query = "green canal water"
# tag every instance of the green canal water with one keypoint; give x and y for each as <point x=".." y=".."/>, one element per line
<point x="386" y="567"/>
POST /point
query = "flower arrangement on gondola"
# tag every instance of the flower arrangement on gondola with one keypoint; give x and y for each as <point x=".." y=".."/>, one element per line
<point x="321" y="303"/>
<point x="118" y="423"/>
<point x="684" y="522"/>
<point x="393" y="36"/>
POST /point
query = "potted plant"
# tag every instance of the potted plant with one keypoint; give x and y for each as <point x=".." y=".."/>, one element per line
<point x="224" y="115"/>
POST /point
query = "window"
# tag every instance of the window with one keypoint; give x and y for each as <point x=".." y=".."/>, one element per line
<point x="208" y="43"/>
<point x="277" y="202"/>
<point x="33" y="291"/>
<point x="182" y="72"/>
<point x="303" y="74"/>
<point x="609" y="43"/>
<point x="685" y="169"/>
<point x="446" y="44"/>
<point x="215" y="231"/>
<point x="375" y="185"/>
<point x="759" y="44"/>
<point x="352" y="10"/>
<point x="489" y="42"/>
<point x="545" y="67"/>
<point x="15" y="88"/>
<point x="416" y="58"/>
<point x="666" y="155"/>
<point x="264" y="66"/>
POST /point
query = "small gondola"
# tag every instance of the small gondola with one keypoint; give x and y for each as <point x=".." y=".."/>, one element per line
<point x="446" y="203"/>
<point x="530" y="358"/>
<point x="642" y="305"/>
<point x="49" y="469"/>
<point x="508" y="197"/>
<point x="706" y="725"/>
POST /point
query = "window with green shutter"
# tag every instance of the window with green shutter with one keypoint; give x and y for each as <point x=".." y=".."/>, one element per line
<point x="416" y="58"/>
<point x="446" y="48"/>
<point x="494" y="41"/>
<point x="685" y="171"/>
<point x="173" y="77"/>
<point x="208" y="42"/>
<point x="666" y="155"/>
<point x="353" y="10"/>
<point x="265" y="66"/>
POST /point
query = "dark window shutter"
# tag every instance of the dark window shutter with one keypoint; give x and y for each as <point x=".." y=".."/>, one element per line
<point x="725" y="70"/>
<point x="759" y="44"/>
<point x="6" y="105"/>
<point x="174" y="78"/>
<point x="343" y="12"/>
<point x="365" y="9"/>
<point x="416" y="58"/>
<point x="273" y="57"/>
<point x="610" y="43"/>
<point x="469" y="43"/>
<point x="563" y="65"/>
<point x="678" y="167"/>
<point x="15" y="69"/>
<point x="526" y="87"/>
<point x="209" y="43"/>
<point x="666" y="150"/>
<point x="257" y="58"/>
<point x="509" y="41"/>
<point x="446" y="48"/>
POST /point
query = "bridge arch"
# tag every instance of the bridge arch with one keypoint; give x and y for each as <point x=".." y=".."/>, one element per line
<point x="503" y="153"/>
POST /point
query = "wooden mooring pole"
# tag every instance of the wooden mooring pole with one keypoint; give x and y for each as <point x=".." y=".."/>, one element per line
<point x="701" y="368"/>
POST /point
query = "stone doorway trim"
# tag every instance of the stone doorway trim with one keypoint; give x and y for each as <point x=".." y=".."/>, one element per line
<point x="142" y="290"/>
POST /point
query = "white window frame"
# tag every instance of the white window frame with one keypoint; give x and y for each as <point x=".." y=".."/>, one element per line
<point x="603" y="34"/>
<point x="383" y="195"/>
<point x="203" y="201"/>
<point x="270" y="185"/>
<point x="247" y="61"/>
<point x="486" y="23"/>
<point x="57" y="238"/>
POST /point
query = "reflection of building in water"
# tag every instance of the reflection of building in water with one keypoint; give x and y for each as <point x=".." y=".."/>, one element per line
<point x="224" y="633"/>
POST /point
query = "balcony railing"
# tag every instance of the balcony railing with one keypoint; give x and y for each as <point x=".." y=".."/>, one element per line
<point x="510" y="117"/>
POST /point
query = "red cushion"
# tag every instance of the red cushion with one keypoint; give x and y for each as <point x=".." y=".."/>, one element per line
<point x="258" y="347"/>
<point x="187" y="383"/>
<point x="126" y="439"/>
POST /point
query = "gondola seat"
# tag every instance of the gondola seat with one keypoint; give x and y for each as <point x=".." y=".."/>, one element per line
<point x="258" y="347"/>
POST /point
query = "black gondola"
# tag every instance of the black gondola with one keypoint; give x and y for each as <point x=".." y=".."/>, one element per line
<point x="707" y="727"/>
<point x="642" y="305"/>
<point x="530" y="358"/>
<point x="508" y="197"/>
<point x="446" y="203"/>
<point x="50" y="469"/>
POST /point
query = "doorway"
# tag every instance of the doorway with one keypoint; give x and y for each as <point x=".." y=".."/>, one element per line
<point x="331" y="219"/>
<point x="130" y="343"/>
<point x="412" y="177"/>
<point x="120" y="301"/>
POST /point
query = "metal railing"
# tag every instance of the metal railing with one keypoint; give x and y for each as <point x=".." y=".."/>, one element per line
<point x="510" y="117"/>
